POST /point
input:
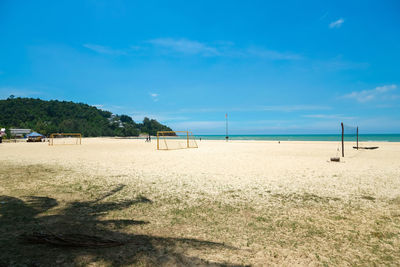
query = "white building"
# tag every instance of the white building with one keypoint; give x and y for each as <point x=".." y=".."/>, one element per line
<point x="20" y="132"/>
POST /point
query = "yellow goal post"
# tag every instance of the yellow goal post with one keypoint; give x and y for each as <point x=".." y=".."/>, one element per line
<point x="169" y="140"/>
<point x="65" y="139"/>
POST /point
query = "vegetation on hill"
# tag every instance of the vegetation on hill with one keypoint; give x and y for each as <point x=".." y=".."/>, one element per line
<point x="54" y="116"/>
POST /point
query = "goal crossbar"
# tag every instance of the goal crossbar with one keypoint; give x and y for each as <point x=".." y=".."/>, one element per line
<point x="77" y="136"/>
<point x="185" y="138"/>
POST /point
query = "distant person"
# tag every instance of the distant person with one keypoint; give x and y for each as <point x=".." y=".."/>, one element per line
<point x="149" y="138"/>
<point x="200" y="139"/>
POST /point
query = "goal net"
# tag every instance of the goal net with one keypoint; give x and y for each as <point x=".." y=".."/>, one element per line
<point x="65" y="139"/>
<point x="169" y="140"/>
<point x="349" y="135"/>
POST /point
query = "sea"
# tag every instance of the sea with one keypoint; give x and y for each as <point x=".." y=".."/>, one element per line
<point x="307" y="137"/>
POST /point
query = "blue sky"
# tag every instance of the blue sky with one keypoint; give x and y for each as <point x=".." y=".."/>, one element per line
<point x="274" y="67"/>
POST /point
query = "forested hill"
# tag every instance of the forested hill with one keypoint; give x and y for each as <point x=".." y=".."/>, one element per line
<point x="54" y="116"/>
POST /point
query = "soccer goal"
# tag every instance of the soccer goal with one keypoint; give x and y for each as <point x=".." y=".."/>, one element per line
<point x="169" y="140"/>
<point x="65" y="139"/>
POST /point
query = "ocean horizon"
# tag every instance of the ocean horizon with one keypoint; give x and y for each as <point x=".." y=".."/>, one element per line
<point x="306" y="137"/>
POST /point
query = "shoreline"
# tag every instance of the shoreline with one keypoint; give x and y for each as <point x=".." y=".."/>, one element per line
<point x="154" y="139"/>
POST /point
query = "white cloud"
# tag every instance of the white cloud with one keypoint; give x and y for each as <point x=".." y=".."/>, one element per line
<point x="105" y="50"/>
<point x="154" y="96"/>
<point x="185" y="46"/>
<point x="338" y="64"/>
<point x="193" y="47"/>
<point x="324" y="16"/>
<point x="291" y="108"/>
<point x="161" y="117"/>
<point x="368" y="95"/>
<point x="278" y="108"/>
<point x="329" y="116"/>
<point x="5" y="92"/>
<point x="219" y="48"/>
<point x="271" y="54"/>
<point x="336" y="24"/>
<point x="198" y="126"/>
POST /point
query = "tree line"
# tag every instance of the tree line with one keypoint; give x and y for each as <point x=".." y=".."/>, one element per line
<point x="46" y="117"/>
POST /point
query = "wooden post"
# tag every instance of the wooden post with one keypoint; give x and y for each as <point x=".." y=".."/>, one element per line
<point x="187" y="139"/>
<point x="342" y="140"/>
<point x="158" y="143"/>
<point x="357" y="137"/>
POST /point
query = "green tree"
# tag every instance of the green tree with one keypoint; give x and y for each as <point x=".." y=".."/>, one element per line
<point x="53" y="116"/>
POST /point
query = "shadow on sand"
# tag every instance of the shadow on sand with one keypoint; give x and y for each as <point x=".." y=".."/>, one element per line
<point x="21" y="217"/>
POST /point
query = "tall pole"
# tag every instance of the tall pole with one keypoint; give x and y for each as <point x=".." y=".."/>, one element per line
<point x="342" y="140"/>
<point x="357" y="137"/>
<point x="158" y="141"/>
<point x="226" y="117"/>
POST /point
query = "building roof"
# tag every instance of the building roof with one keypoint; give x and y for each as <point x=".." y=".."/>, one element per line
<point x="34" y="134"/>
<point x="20" y="131"/>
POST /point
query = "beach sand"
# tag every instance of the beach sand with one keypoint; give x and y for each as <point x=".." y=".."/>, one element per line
<point x="296" y="180"/>
<point x="216" y="166"/>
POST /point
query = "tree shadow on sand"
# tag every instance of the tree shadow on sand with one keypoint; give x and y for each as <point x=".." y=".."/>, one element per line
<point x="20" y="218"/>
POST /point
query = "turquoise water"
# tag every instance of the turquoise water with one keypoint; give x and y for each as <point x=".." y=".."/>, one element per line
<point x="307" y="137"/>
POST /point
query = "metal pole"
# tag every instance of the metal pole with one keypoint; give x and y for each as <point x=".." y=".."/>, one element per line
<point x="342" y="140"/>
<point x="357" y="137"/>
<point x="226" y="137"/>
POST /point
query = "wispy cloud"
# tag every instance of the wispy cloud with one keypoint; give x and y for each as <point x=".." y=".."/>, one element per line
<point x="105" y="50"/>
<point x="329" y="116"/>
<point x="324" y="16"/>
<point x="337" y="64"/>
<point x="291" y="108"/>
<point x="182" y="46"/>
<point x="160" y="116"/>
<point x="337" y="23"/>
<point x="185" y="46"/>
<point x="368" y="95"/>
<point x="154" y="96"/>
<point x="277" y="108"/>
<point x="219" y="48"/>
<point x="271" y="54"/>
<point x="5" y="92"/>
<point x="199" y="126"/>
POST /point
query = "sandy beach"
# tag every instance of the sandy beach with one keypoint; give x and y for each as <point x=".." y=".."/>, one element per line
<point x="276" y="203"/>
<point x="216" y="166"/>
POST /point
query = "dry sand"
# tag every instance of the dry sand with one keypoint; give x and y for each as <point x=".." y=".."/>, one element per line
<point x="217" y="166"/>
<point x="278" y="204"/>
